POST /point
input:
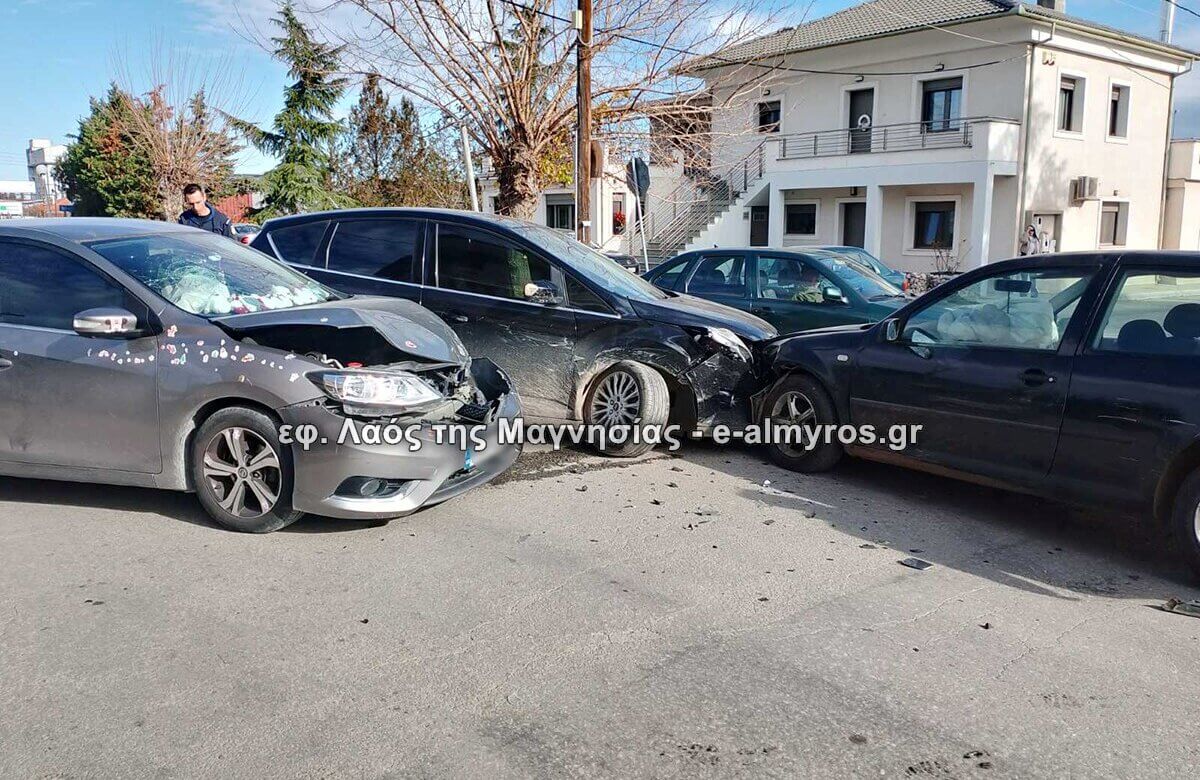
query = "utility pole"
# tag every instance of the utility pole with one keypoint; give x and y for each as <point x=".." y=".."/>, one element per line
<point x="470" y="166"/>
<point x="583" y="115"/>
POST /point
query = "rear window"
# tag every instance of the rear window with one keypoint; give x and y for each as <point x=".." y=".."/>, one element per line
<point x="381" y="248"/>
<point x="298" y="243"/>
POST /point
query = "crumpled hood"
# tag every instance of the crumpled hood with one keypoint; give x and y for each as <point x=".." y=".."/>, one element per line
<point x="687" y="310"/>
<point x="407" y="326"/>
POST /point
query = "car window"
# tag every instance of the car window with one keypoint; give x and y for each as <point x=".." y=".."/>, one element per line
<point x="668" y="277"/>
<point x="1020" y="310"/>
<point x="791" y="279"/>
<point x="43" y="288"/>
<point x="719" y="275"/>
<point x="580" y="297"/>
<point x="382" y="248"/>
<point x="209" y="275"/>
<point x="477" y="262"/>
<point x="587" y="262"/>
<point x="1153" y="313"/>
<point x="297" y="243"/>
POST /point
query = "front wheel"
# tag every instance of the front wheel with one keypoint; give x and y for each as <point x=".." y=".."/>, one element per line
<point x="242" y="474"/>
<point x="1185" y="520"/>
<point x="801" y="403"/>
<point x="628" y="399"/>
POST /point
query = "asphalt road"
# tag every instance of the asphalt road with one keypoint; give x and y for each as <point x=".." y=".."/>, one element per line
<point x="667" y="617"/>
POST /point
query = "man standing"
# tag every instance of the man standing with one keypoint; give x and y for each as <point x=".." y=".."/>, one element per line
<point x="201" y="215"/>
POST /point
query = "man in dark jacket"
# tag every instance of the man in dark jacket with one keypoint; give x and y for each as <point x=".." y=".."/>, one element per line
<point x="201" y="215"/>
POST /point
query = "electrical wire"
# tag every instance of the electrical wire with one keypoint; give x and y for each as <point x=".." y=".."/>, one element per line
<point x="784" y="68"/>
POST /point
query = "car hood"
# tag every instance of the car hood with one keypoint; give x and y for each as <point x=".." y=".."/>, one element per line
<point x="406" y="326"/>
<point x="686" y="310"/>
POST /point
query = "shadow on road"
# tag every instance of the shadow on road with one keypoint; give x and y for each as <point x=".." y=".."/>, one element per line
<point x="1022" y="541"/>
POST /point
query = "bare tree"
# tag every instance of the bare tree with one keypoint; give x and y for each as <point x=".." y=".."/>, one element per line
<point x="505" y="69"/>
<point x="177" y="127"/>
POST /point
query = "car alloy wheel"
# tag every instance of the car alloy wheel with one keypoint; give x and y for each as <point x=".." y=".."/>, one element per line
<point x="794" y="408"/>
<point x="243" y="472"/>
<point x="617" y="401"/>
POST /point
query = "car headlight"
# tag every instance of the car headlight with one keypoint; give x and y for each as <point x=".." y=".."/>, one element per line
<point x="376" y="393"/>
<point x="728" y="342"/>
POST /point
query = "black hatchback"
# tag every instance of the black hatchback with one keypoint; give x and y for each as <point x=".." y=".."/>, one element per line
<point x="1075" y="376"/>
<point x="581" y="337"/>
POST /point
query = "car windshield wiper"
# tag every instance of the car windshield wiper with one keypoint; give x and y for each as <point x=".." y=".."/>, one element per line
<point x="884" y="296"/>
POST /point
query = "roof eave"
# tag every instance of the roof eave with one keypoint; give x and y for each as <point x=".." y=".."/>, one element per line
<point x="1099" y="32"/>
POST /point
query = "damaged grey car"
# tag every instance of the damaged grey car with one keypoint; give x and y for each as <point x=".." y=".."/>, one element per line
<point x="142" y="353"/>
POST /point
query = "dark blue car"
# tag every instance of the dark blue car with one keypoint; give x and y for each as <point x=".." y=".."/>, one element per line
<point x="1075" y="376"/>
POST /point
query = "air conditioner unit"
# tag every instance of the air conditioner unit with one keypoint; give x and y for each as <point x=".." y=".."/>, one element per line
<point x="1084" y="188"/>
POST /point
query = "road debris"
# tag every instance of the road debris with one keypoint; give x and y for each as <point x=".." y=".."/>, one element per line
<point x="916" y="563"/>
<point x="1190" y="608"/>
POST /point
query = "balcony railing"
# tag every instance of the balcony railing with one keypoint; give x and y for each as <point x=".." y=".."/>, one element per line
<point x="906" y="136"/>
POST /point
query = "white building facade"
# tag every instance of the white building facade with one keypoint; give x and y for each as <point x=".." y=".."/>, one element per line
<point x="931" y="134"/>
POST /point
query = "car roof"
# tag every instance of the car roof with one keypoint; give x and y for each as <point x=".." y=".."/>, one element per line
<point x="424" y="213"/>
<point x="81" y="229"/>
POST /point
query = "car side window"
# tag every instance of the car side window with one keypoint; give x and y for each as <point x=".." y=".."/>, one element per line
<point x="668" y="277"/>
<point x="792" y="279"/>
<point x="298" y="243"/>
<point x="1152" y="313"/>
<point x="1018" y="310"/>
<point x="719" y="275"/>
<point x="478" y="262"/>
<point x="579" y="296"/>
<point x="42" y="288"/>
<point x="381" y="248"/>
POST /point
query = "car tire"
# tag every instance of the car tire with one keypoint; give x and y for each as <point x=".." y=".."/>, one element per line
<point x="801" y="400"/>
<point x="1185" y="520"/>
<point x="625" y="394"/>
<point x="242" y="475"/>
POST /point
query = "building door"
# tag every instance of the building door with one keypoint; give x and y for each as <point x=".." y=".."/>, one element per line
<point x="854" y="224"/>
<point x="759" y="234"/>
<point x="862" y="116"/>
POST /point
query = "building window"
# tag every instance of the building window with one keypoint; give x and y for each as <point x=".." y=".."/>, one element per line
<point x="1118" y="112"/>
<point x="495" y="204"/>
<point x="560" y="216"/>
<point x="941" y="104"/>
<point x="618" y="214"/>
<point x="933" y="225"/>
<point x="768" y="116"/>
<point x="801" y="219"/>
<point x="1114" y="219"/>
<point x="1070" y="104"/>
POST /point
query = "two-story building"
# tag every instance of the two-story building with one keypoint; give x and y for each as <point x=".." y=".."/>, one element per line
<point x="931" y="133"/>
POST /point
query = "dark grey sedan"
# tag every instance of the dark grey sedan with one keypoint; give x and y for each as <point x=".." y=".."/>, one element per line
<point x="143" y="353"/>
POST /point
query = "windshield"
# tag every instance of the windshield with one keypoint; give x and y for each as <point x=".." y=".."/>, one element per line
<point x="211" y="275"/>
<point x="591" y="264"/>
<point x="862" y="279"/>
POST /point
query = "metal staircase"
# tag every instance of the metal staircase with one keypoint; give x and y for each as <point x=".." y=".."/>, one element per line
<point x="695" y="205"/>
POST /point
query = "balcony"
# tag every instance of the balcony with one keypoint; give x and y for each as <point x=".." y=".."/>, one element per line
<point x="969" y="139"/>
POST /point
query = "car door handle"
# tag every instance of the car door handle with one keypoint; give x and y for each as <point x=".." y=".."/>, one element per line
<point x="5" y="363"/>
<point x="454" y="316"/>
<point x="759" y="310"/>
<point x="1034" y="377"/>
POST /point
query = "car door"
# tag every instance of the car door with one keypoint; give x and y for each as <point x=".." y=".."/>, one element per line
<point x="1132" y="400"/>
<point x="476" y="283"/>
<point x="71" y="400"/>
<point x="724" y="277"/>
<point x="983" y="367"/>
<point x="796" y="294"/>
<point x="373" y="256"/>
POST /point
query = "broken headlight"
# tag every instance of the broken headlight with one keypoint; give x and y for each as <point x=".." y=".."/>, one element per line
<point x="726" y="341"/>
<point x="376" y="393"/>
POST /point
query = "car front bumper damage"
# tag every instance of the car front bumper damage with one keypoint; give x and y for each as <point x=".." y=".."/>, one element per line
<point x="435" y="472"/>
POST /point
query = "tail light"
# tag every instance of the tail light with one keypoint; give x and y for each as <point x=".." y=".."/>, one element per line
<point x="245" y="239"/>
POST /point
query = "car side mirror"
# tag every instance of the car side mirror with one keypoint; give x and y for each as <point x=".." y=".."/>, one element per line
<point x="543" y="292"/>
<point x="891" y="330"/>
<point x="106" y="322"/>
<point x="832" y="295"/>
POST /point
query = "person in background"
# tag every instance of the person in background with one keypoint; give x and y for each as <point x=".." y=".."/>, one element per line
<point x="199" y="214"/>
<point x="1030" y="244"/>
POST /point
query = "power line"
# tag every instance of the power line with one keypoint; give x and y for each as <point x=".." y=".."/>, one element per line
<point x="1184" y="8"/>
<point x="787" y="68"/>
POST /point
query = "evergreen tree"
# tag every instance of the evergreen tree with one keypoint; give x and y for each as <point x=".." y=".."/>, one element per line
<point x="103" y="172"/>
<point x="392" y="163"/>
<point x="304" y="132"/>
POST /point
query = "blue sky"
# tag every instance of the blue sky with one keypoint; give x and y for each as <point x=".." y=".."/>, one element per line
<point x="60" y="52"/>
